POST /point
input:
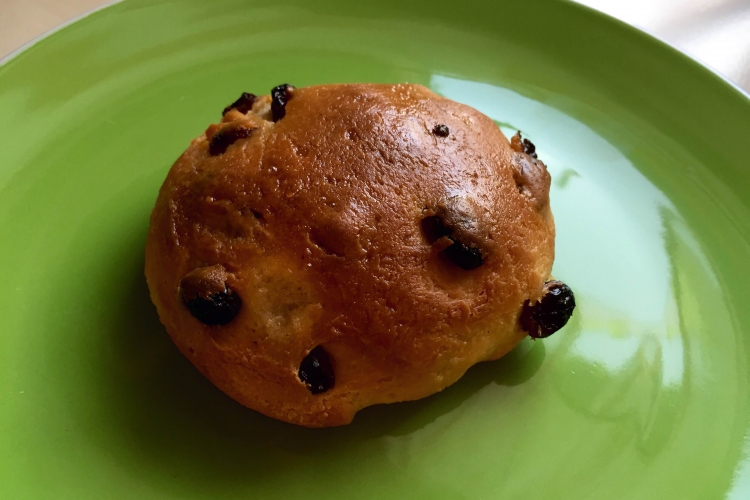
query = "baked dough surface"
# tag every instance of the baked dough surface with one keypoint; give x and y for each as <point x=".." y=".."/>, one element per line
<point x="316" y="221"/>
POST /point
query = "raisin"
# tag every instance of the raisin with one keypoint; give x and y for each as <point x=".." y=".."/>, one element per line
<point x="208" y="298"/>
<point x="441" y="130"/>
<point x="464" y="256"/>
<point x="225" y="138"/>
<point x="243" y="104"/>
<point x="280" y="95"/>
<point x="316" y="371"/>
<point x="521" y="145"/>
<point x="529" y="148"/>
<point x="434" y="228"/>
<point x="206" y="295"/>
<point x="551" y="313"/>
<point x="217" y="309"/>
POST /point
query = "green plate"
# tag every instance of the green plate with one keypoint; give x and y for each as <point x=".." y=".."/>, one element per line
<point x="644" y="395"/>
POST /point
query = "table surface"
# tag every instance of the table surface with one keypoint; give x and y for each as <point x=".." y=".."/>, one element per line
<point x="715" y="32"/>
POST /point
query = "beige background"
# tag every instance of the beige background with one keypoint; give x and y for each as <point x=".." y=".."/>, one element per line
<point x="23" y="20"/>
<point x="716" y="32"/>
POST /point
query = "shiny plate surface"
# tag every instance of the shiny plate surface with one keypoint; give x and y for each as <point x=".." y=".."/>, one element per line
<point x="644" y="395"/>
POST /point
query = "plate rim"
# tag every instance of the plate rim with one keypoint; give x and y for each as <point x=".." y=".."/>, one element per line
<point x="633" y="29"/>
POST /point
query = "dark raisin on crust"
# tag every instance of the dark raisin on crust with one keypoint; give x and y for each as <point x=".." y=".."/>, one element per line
<point x="434" y="228"/>
<point x="243" y="104"/>
<point x="521" y="145"/>
<point x="551" y="313"/>
<point x="529" y="148"/>
<point x="225" y="138"/>
<point x="280" y="95"/>
<point x="462" y="254"/>
<point x="316" y="371"/>
<point x="205" y="293"/>
<point x="441" y="130"/>
<point x="217" y="309"/>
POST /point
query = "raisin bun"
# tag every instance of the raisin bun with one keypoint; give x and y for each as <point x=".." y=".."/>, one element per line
<point x="327" y="248"/>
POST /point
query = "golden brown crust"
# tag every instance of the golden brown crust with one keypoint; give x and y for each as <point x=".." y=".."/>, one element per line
<point x="317" y="221"/>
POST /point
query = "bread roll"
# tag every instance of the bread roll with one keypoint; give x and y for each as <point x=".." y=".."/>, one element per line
<point x="328" y="248"/>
